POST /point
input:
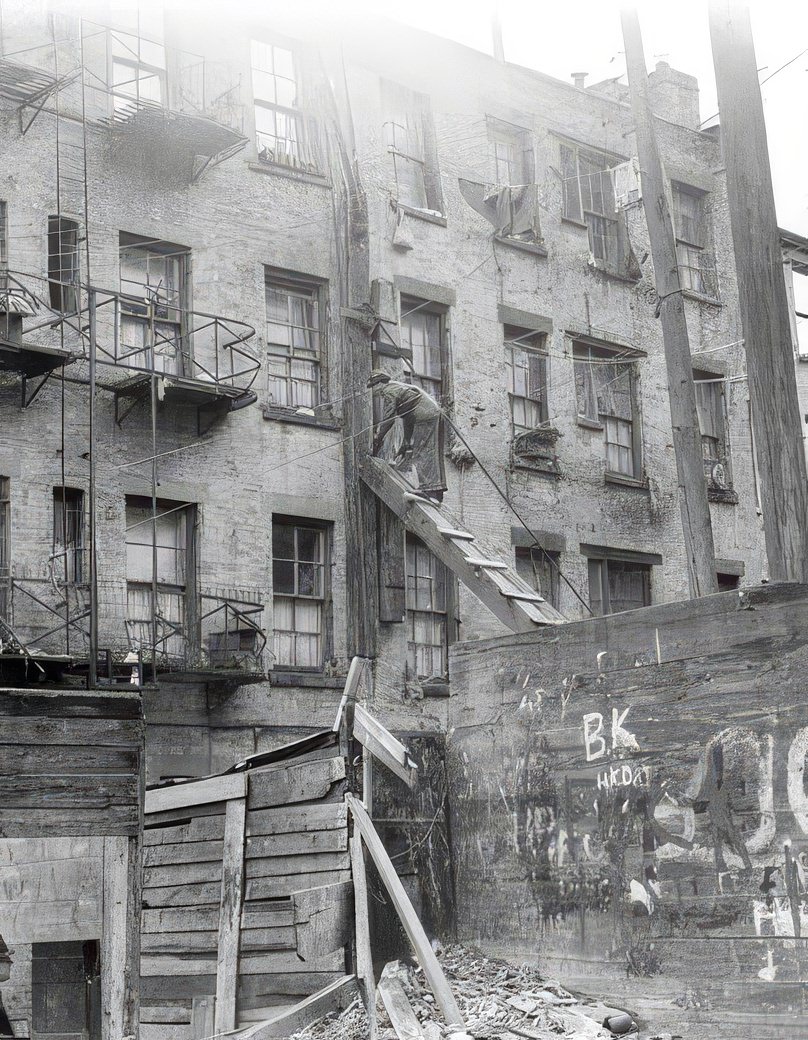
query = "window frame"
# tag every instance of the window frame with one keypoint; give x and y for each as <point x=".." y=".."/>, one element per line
<point x="531" y="559"/>
<point x="512" y="335"/>
<point x="409" y="110"/>
<point x="68" y="555"/>
<point x="597" y="354"/>
<point x="186" y="592"/>
<point x="412" y="542"/>
<point x="301" y="157"/>
<point x="324" y="529"/>
<point x="598" y="573"/>
<point x="578" y="213"/>
<point x="175" y="311"/>
<point x="409" y="305"/>
<point x="295" y="282"/>
<point x="521" y="140"/>
<point x="693" y="279"/>
<point x="135" y="62"/>
<point x="63" y="292"/>
<point x="4" y="236"/>
<point x="719" y="408"/>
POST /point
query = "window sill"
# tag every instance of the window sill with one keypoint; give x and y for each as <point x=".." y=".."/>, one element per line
<point x="547" y="469"/>
<point x="726" y="495"/>
<point x="312" y="678"/>
<point x="623" y="481"/>
<point x="279" y="170"/>
<point x="436" y="688"/>
<point x="589" y="424"/>
<point x="420" y="214"/>
<point x="578" y="224"/>
<point x="299" y="418"/>
<point x="525" y="246"/>
<point x="710" y="301"/>
<point x="610" y="272"/>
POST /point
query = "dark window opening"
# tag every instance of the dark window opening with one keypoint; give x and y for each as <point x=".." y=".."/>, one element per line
<point x="618" y="585"/>
<point x="66" y="991"/>
<point x="63" y="264"/>
<point x="540" y="569"/>
<point x="727" y="582"/>
<point x="68" y="535"/>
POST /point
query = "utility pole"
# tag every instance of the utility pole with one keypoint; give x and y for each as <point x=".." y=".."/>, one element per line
<point x="761" y="288"/>
<point x="693" y="504"/>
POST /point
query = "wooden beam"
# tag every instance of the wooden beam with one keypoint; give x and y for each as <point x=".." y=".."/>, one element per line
<point x="412" y="925"/>
<point x="118" y="960"/>
<point x="364" y="956"/>
<point x="230" y="914"/>
<point x="202" y="1017"/>
<point x="384" y="746"/>
<point x="332" y="998"/>
<point x="424" y="521"/>
<point x="762" y="296"/>
<point x="197" y="792"/>
<point x="397" y="1005"/>
<point x="694" y="507"/>
<point x="353" y="682"/>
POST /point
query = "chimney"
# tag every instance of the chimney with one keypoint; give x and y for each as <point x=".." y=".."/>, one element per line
<point x="674" y="95"/>
<point x="496" y="35"/>
<point x="579" y="78"/>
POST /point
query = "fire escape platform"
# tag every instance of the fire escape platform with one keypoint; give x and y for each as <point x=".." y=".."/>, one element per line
<point x="495" y="583"/>
<point x="181" y="389"/>
<point x="30" y="359"/>
<point x="20" y="83"/>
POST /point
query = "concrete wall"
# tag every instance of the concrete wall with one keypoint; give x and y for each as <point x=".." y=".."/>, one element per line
<point x="627" y="805"/>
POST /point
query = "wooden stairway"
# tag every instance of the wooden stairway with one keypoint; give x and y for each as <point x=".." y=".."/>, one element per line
<point x="496" y="584"/>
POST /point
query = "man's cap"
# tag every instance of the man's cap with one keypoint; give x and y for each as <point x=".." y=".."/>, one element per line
<point x="377" y="376"/>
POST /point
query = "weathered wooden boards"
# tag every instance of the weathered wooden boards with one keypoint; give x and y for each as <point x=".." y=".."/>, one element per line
<point x="333" y="997"/>
<point x="639" y="801"/>
<point x="384" y="747"/>
<point x="70" y="763"/>
<point x="246" y="897"/>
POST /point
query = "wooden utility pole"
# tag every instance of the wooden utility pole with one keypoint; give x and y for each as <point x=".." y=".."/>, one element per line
<point x="695" y="510"/>
<point x="763" y="300"/>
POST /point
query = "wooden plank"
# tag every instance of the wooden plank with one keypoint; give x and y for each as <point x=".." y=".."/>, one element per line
<point x="227" y="967"/>
<point x="181" y="817"/>
<point x="392" y="604"/>
<point x="200" y="919"/>
<point x="254" y="939"/>
<point x="313" y="863"/>
<point x="304" y="782"/>
<point x="203" y="1010"/>
<point x="159" y="988"/>
<point x="398" y="1008"/>
<point x="201" y="828"/>
<point x="412" y="925"/>
<point x="60" y="704"/>
<point x="252" y="988"/>
<point x="181" y="874"/>
<point x="297" y="818"/>
<point x="297" y="844"/>
<point x="84" y="732"/>
<point x="336" y="996"/>
<point x="274" y="887"/>
<point x="182" y="895"/>
<point x="79" y="791"/>
<point x="187" y="852"/>
<point x="281" y="918"/>
<point x="364" y="955"/>
<point x="169" y="964"/>
<point x="323" y="919"/>
<point x="176" y="1013"/>
<point x="198" y="792"/>
<point x="351" y="690"/>
<point x="31" y="759"/>
<point x="78" y="820"/>
<point x="179" y="942"/>
<point x="279" y="962"/>
<point x="115" y="953"/>
<point x="389" y="751"/>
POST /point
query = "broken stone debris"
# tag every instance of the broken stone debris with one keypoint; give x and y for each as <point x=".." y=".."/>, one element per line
<point x="498" y="1002"/>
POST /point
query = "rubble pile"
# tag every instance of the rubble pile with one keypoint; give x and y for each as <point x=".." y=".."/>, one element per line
<point x="498" y="1002"/>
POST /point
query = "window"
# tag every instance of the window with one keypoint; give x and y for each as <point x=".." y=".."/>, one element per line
<point x="711" y="408"/>
<point x="540" y="569"/>
<point x="424" y="333"/>
<point x="617" y="585"/>
<point x="66" y="990"/>
<point x="153" y="283"/>
<point x="526" y="365"/>
<point x="510" y="154"/>
<point x="696" y="263"/>
<point x="293" y="340"/>
<point x="168" y="543"/>
<point x="605" y="394"/>
<point x="427" y="597"/>
<point x="279" y="126"/>
<point x="63" y="264"/>
<point x="299" y="580"/>
<point x="410" y="141"/>
<point x="68" y="535"/>
<point x="139" y="62"/>
<point x="727" y="582"/>
<point x="588" y="197"/>
<point x="5" y="545"/>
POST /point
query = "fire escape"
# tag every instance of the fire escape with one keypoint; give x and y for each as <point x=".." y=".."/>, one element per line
<point x="65" y="615"/>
